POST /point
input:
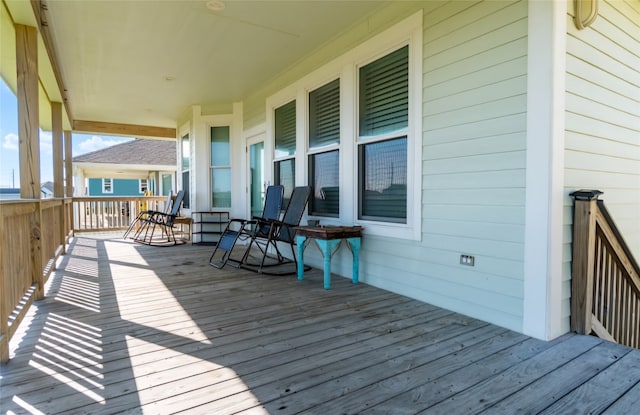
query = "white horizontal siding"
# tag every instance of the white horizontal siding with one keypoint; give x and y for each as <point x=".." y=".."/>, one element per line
<point x="602" y="141"/>
<point x="473" y="168"/>
<point x="454" y="284"/>
<point x="474" y="93"/>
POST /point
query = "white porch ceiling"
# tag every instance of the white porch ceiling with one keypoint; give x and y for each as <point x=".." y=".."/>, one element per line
<point x="145" y="62"/>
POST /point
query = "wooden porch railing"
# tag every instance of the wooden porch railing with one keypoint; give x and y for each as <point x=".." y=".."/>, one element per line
<point x="605" y="285"/>
<point x="111" y="213"/>
<point x="34" y="233"/>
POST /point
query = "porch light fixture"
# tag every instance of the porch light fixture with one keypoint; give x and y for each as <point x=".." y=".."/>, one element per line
<point x="579" y="19"/>
<point x="216" y="5"/>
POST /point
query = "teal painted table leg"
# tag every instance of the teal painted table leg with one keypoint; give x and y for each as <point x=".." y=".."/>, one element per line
<point x="327" y="246"/>
<point x="354" y="243"/>
<point x="300" y="242"/>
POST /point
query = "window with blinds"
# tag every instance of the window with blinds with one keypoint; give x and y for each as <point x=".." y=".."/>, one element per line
<point x="384" y="94"/>
<point x="324" y="115"/>
<point x="107" y="185"/>
<point x="285" y="130"/>
<point x="285" y="148"/>
<point x="382" y="147"/>
<point x="324" y="134"/>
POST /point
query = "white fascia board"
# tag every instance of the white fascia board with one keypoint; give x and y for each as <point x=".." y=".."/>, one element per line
<point x="117" y="166"/>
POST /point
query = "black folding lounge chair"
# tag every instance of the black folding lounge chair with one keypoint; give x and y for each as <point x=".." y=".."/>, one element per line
<point x="163" y="221"/>
<point x="147" y="213"/>
<point x="268" y="233"/>
<point x="241" y="228"/>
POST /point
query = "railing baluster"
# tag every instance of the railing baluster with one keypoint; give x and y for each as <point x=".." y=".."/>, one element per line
<point x="604" y="269"/>
<point x="109" y="213"/>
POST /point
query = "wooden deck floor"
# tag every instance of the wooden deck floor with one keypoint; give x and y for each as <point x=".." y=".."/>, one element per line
<point x="131" y="328"/>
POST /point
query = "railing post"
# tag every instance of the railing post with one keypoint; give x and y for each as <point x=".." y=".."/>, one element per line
<point x="4" y="297"/>
<point x="582" y="265"/>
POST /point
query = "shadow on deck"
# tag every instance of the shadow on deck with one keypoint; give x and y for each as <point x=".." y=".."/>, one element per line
<point x="135" y="328"/>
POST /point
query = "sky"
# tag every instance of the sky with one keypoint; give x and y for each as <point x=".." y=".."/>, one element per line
<point x="9" y="156"/>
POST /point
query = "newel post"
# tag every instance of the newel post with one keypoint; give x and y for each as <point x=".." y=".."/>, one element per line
<point x="582" y="265"/>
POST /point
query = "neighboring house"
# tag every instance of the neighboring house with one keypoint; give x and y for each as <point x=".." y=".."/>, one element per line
<point x="9" y="193"/>
<point x="133" y="168"/>
<point x="46" y="190"/>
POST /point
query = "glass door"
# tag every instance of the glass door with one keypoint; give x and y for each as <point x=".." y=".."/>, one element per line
<point x="257" y="178"/>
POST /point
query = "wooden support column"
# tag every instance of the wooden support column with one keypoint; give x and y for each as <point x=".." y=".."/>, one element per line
<point x="29" y="139"/>
<point x="68" y="172"/>
<point x="582" y="264"/>
<point x="58" y="166"/>
<point x="28" y="111"/>
<point x="5" y="308"/>
<point x="68" y="166"/>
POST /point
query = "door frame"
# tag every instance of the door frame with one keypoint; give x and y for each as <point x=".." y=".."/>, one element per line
<point x="268" y="169"/>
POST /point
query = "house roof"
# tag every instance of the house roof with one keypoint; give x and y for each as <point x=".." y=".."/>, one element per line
<point x="138" y="152"/>
<point x="48" y="186"/>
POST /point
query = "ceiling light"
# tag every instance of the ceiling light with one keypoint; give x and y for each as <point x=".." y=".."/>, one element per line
<point x="216" y="5"/>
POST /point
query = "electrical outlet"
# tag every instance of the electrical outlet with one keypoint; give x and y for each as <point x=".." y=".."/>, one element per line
<point x="467" y="260"/>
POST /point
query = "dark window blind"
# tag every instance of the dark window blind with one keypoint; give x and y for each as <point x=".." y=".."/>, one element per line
<point x="384" y="94"/>
<point x="324" y="115"/>
<point x="285" y="129"/>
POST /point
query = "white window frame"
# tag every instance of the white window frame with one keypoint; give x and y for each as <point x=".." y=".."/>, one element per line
<point x="407" y="32"/>
<point x="110" y="185"/>
<point x="213" y="167"/>
<point x="319" y="150"/>
<point x="294" y="157"/>
<point x="140" y="187"/>
<point x="185" y="186"/>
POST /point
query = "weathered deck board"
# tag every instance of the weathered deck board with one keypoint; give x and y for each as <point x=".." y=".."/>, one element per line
<point x="138" y="329"/>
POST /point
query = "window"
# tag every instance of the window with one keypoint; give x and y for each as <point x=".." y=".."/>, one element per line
<point x="166" y="180"/>
<point x="383" y="115"/>
<point x="285" y="175"/>
<point x="143" y="186"/>
<point x="220" y="168"/>
<point x="324" y="134"/>
<point x="185" y="149"/>
<point x="285" y="148"/>
<point x="324" y="176"/>
<point x="361" y="117"/>
<point x="107" y="185"/>
<point x="383" y="180"/>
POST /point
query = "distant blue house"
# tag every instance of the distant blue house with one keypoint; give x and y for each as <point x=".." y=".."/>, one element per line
<point x="120" y="187"/>
<point x="133" y="168"/>
<point x="7" y="193"/>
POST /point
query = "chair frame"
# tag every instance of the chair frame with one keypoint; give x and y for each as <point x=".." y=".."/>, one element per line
<point x="146" y="213"/>
<point x="244" y="229"/>
<point x="163" y="220"/>
<point x="279" y="231"/>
